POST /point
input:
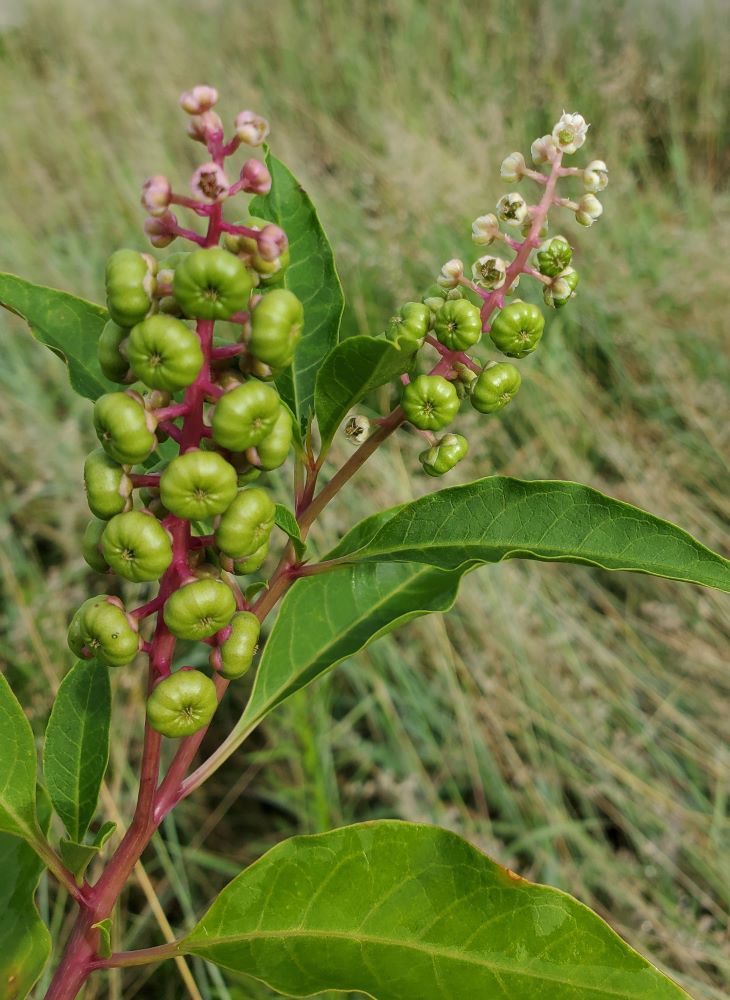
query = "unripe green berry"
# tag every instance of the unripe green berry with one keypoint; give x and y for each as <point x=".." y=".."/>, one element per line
<point x="123" y="427"/>
<point x="444" y="455"/>
<point x="276" y="325"/>
<point x="91" y="545"/>
<point x="100" y="629"/>
<point x="517" y="329"/>
<point x="235" y="654"/>
<point x="245" y="416"/>
<point x="247" y="523"/>
<point x="270" y="272"/>
<point x="164" y="353"/>
<point x="108" y="487"/>
<point x="211" y="283"/>
<point x="182" y="704"/>
<point x="562" y="289"/>
<point x="408" y="328"/>
<point x="458" y="325"/>
<point x="112" y="361"/>
<point x="198" y="484"/>
<point x="430" y="402"/>
<point x="273" y="450"/>
<point x="252" y="563"/>
<point x="553" y="256"/>
<point x="435" y="296"/>
<point x="130" y="286"/>
<point x="199" y="609"/>
<point x="136" y="546"/>
<point x="495" y="387"/>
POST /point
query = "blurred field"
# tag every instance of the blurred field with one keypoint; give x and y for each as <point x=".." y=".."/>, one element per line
<point x="573" y="724"/>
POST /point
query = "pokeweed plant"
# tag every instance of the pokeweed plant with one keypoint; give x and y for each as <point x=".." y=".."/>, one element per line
<point x="190" y="416"/>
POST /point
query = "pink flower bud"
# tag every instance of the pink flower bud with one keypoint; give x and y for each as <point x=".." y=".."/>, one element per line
<point x="199" y="99"/>
<point x="157" y="230"/>
<point x="156" y="194"/>
<point x="255" y="177"/>
<point x="272" y="242"/>
<point x="210" y="183"/>
<point x="202" y="127"/>
<point x="251" y="128"/>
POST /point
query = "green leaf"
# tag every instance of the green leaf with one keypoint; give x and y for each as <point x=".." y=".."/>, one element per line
<point x="498" y="518"/>
<point x="17" y="768"/>
<point x="402" y="911"/>
<point x="76" y="857"/>
<point x="104" y="927"/>
<point x="285" y="520"/>
<point x="25" y="943"/>
<point x="76" y="750"/>
<point x="69" y="326"/>
<point x="349" y="372"/>
<point x="312" y="277"/>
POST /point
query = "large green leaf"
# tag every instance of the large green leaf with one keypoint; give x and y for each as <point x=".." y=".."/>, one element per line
<point x="402" y="911"/>
<point x="311" y="276"/>
<point x="352" y="370"/>
<point x="76" y="750"/>
<point x="499" y="518"/>
<point x="17" y="768"/>
<point x="69" y="326"/>
<point x="25" y="943"/>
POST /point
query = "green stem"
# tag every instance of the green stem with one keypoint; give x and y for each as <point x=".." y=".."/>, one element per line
<point x="143" y="956"/>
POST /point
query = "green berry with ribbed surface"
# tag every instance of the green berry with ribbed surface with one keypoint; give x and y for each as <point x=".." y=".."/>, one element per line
<point x="182" y="704"/>
<point x="199" y="609"/>
<point x="198" y="484"/>
<point x="164" y="353"/>
<point x="136" y="546"/>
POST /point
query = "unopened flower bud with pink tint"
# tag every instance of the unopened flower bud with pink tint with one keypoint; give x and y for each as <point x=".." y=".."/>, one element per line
<point x="513" y="167"/>
<point x="158" y="230"/>
<point x="451" y="273"/>
<point x="209" y="183"/>
<point x="544" y="149"/>
<point x="489" y="272"/>
<point x="255" y="177"/>
<point x="198" y="99"/>
<point x="272" y="242"/>
<point x="512" y="209"/>
<point x="251" y="128"/>
<point x="570" y="132"/>
<point x="485" y="230"/>
<point x="202" y="127"/>
<point x="156" y="194"/>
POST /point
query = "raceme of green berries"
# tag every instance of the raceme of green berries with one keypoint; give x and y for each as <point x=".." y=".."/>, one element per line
<point x="130" y="285"/>
<point x="211" y="283"/>
<point x="235" y="654"/>
<point x="273" y="450"/>
<point x="408" y="328"/>
<point x="91" y="545"/>
<point x="164" y="353"/>
<point x="553" y="256"/>
<point x="199" y="609"/>
<point x="100" y="629"/>
<point x="182" y="703"/>
<point x="517" y="329"/>
<point x="270" y="272"/>
<point x="108" y="487"/>
<point x="276" y="325"/>
<point x="430" y="402"/>
<point x="495" y="387"/>
<point x="112" y="359"/>
<point x="136" y="546"/>
<point x="244" y="416"/>
<point x="198" y="484"/>
<point x="444" y="455"/>
<point x="247" y="523"/>
<point x="122" y="426"/>
<point x="458" y="325"/>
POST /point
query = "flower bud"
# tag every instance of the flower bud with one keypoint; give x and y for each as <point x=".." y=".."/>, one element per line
<point x="272" y="242"/>
<point x="202" y="127"/>
<point x="485" y="230"/>
<point x="255" y="177"/>
<point x="489" y="272"/>
<point x="512" y="209"/>
<point x="595" y="176"/>
<point x="562" y="288"/>
<point x="451" y="273"/>
<point x="156" y="193"/>
<point x="251" y="128"/>
<point x="570" y="132"/>
<point x="513" y="167"/>
<point x="157" y="230"/>
<point x="357" y="429"/>
<point x="589" y="210"/>
<point x="209" y="183"/>
<point x="543" y="150"/>
<point x="198" y="99"/>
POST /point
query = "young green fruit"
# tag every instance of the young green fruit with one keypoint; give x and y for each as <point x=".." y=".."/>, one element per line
<point x="211" y="284"/>
<point x="197" y="485"/>
<point x="247" y="523"/>
<point x="199" y="609"/>
<point x="273" y="450"/>
<point x="270" y="272"/>
<point x="252" y="563"/>
<point x="553" y="256"/>
<point x="130" y="286"/>
<point x="235" y="654"/>
<point x="182" y="704"/>
<point x="164" y="353"/>
<point x="495" y="387"/>
<point x="122" y="426"/>
<point x="276" y="325"/>
<point x="430" y="402"/>
<point x="108" y="487"/>
<point x="517" y="329"/>
<point x="110" y="351"/>
<point x="458" y="325"/>
<point x="444" y="455"/>
<point x="408" y="328"/>
<point x="245" y="416"/>
<point x="91" y="545"/>
<point x="101" y="629"/>
<point x="136" y="546"/>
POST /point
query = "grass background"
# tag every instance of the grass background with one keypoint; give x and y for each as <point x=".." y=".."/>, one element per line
<point x="571" y="723"/>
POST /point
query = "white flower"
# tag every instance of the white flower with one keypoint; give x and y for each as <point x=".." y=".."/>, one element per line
<point x="357" y="429"/>
<point x="513" y="167"/>
<point x="489" y="272"/>
<point x="512" y="209"/>
<point x="251" y="128"/>
<point x="485" y="229"/>
<point x="209" y="183"/>
<point x="570" y="132"/>
<point x="451" y="273"/>
<point x="595" y="176"/>
<point x="543" y="150"/>
<point x="589" y="210"/>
